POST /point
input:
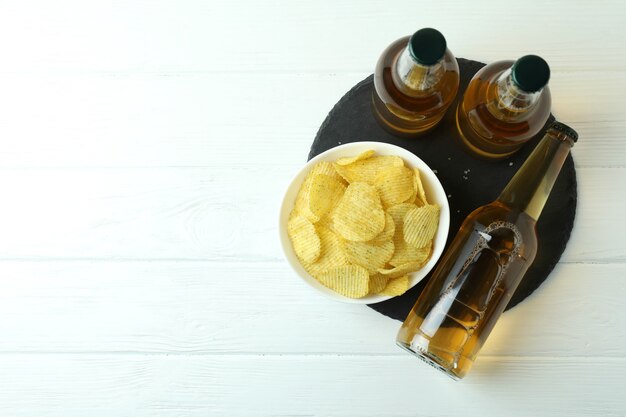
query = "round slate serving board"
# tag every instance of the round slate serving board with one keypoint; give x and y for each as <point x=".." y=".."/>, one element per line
<point x="469" y="182"/>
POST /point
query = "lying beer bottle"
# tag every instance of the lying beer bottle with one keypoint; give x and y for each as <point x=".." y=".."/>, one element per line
<point x="484" y="264"/>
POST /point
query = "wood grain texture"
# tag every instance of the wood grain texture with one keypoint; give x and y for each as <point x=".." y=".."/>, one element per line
<point x="269" y="386"/>
<point x="71" y="36"/>
<point x="201" y="120"/>
<point x="232" y="308"/>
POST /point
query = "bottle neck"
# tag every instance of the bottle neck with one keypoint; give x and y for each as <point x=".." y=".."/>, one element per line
<point x="509" y="101"/>
<point x="413" y="78"/>
<point x="530" y="188"/>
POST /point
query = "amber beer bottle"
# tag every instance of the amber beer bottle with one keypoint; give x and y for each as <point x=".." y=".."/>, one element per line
<point x="484" y="264"/>
<point x="415" y="81"/>
<point x="505" y="104"/>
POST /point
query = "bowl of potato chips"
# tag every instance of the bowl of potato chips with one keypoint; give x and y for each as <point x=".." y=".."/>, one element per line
<point x="364" y="222"/>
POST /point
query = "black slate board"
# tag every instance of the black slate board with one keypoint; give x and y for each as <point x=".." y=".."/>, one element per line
<point x="351" y="120"/>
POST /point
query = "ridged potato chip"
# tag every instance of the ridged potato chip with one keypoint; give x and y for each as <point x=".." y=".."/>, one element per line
<point x="349" y="280"/>
<point x="302" y="200"/>
<point x="396" y="286"/>
<point x="350" y="160"/>
<point x="331" y="254"/>
<point x="365" y="170"/>
<point x="420" y="194"/>
<point x="394" y="184"/>
<point x="359" y="216"/>
<point x="405" y="253"/>
<point x="388" y="231"/>
<point x="402" y="253"/>
<point x="370" y="256"/>
<point x="325" y="192"/>
<point x="420" y="225"/>
<point x="377" y="283"/>
<point x="398" y="212"/>
<point x="401" y="270"/>
<point x="306" y="243"/>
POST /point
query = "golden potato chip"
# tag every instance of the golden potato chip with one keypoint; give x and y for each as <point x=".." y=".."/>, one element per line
<point x="396" y="286"/>
<point x="420" y="225"/>
<point x="365" y="170"/>
<point x="331" y="254"/>
<point x="388" y="231"/>
<point x="306" y="243"/>
<point x="405" y="253"/>
<point x="324" y="194"/>
<point x="394" y="185"/>
<point x="326" y="168"/>
<point x="349" y="160"/>
<point x="401" y="270"/>
<point x="302" y="200"/>
<point x="370" y="256"/>
<point x="349" y="280"/>
<point x="359" y="216"/>
<point x="398" y="212"/>
<point x="377" y="283"/>
<point x="420" y="194"/>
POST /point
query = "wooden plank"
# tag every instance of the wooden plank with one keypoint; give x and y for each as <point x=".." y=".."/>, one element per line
<point x="226" y="213"/>
<point x="157" y="36"/>
<point x="208" y="120"/>
<point x="235" y="308"/>
<point x="269" y="386"/>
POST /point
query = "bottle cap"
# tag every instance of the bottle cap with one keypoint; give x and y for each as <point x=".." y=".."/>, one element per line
<point x="562" y="127"/>
<point x="530" y="73"/>
<point x="427" y="46"/>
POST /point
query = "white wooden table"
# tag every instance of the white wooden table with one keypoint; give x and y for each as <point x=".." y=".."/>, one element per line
<point x="144" y="149"/>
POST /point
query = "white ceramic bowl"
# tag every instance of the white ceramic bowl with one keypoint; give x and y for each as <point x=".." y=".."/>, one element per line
<point x="434" y="193"/>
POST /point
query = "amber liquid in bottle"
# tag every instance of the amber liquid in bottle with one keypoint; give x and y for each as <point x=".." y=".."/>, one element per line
<point x="483" y="266"/>
<point x="495" y="117"/>
<point x="409" y="103"/>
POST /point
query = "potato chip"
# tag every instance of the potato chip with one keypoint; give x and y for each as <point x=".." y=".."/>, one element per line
<point x="349" y="280"/>
<point x="324" y="167"/>
<point x="302" y="200"/>
<point x="306" y="243"/>
<point x="420" y="194"/>
<point x="359" y="216"/>
<point x="405" y="253"/>
<point x="377" y="283"/>
<point x="401" y="270"/>
<point x="331" y="254"/>
<point x="398" y="212"/>
<point x="370" y="256"/>
<point x="417" y="185"/>
<point x="420" y="225"/>
<point x="394" y="185"/>
<point x="349" y="160"/>
<point x="324" y="194"/>
<point x="388" y="231"/>
<point x="365" y="170"/>
<point x="396" y="286"/>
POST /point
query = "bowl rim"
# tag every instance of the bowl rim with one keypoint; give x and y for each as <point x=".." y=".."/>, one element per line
<point x="432" y="186"/>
